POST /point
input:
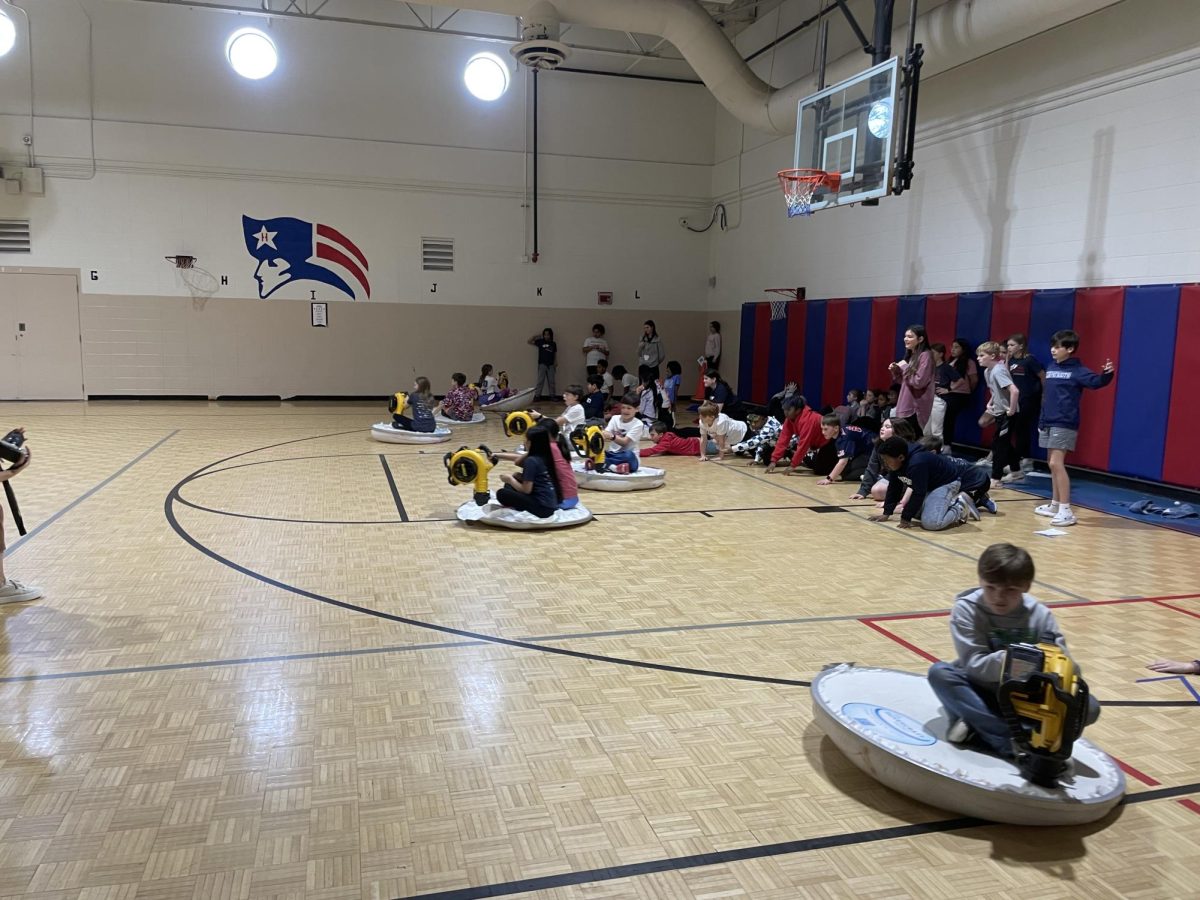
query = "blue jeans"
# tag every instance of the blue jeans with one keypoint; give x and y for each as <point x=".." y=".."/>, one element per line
<point x="614" y="458"/>
<point x="977" y="706"/>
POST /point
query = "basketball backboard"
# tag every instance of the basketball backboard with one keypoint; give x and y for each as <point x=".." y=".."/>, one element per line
<point x="849" y="128"/>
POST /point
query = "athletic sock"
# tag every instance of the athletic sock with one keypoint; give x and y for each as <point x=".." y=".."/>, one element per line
<point x="1064" y="509"/>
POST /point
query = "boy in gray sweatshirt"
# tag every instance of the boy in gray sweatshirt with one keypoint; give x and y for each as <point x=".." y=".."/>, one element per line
<point x="984" y="622"/>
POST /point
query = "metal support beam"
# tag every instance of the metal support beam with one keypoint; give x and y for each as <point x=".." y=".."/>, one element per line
<point x="858" y="32"/>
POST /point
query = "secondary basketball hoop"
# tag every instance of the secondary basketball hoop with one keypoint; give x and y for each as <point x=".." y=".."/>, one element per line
<point x="799" y="185"/>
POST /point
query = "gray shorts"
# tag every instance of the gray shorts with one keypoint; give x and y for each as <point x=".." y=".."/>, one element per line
<point x="1055" y="438"/>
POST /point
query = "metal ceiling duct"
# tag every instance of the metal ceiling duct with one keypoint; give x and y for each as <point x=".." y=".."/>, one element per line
<point x="954" y="33"/>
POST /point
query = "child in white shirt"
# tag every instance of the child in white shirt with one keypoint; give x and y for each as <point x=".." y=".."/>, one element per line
<point x="720" y="429"/>
<point x="623" y="431"/>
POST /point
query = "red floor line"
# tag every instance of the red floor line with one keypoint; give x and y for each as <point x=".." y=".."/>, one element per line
<point x="898" y="617"/>
<point x="1135" y="773"/>
<point x="899" y="640"/>
<point x="1188" y="803"/>
<point x="1179" y="609"/>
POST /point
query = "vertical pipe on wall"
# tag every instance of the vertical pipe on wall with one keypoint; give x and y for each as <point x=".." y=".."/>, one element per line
<point x="534" y="256"/>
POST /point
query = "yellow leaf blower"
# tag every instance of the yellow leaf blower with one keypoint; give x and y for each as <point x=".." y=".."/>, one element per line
<point x="397" y="402"/>
<point x="467" y="466"/>
<point x="589" y="443"/>
<point x="1045" y="703"/>
<point x="517" y="423"/>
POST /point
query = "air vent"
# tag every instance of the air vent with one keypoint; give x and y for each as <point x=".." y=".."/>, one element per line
<point x="14" y="236"/>
<point x="437" y="254"/>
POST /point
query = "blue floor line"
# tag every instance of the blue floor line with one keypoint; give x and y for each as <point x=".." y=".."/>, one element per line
<point x="1106" y="498"/>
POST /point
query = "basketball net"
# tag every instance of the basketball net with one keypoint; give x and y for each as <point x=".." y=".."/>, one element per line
<point x="799" y="185"/>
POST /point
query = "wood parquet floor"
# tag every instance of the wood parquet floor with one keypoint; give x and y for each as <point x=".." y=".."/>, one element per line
<point x="263" y="682"/>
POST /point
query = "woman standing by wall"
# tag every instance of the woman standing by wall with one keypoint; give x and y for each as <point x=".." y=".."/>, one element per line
<point x="915" y="374"/>
<point x="650" y="349"/>
<point x="712" y="346"/>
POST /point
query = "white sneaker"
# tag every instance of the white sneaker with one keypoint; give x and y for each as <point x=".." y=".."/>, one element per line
<point x="959" y="732"/>
<point x="1063" y="519"/>
<point x="1013" y="477"/>
<point x="985" y="462"/>
<point x="969" y="506"/>
<point x="1027" y="466"/>
<point x="1046" y="510"/>
<point x="15" y="592"/>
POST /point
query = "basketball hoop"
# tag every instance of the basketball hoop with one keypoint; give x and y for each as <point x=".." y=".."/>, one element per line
<point x="799" y="185"/>
<point x="181" y="262"/>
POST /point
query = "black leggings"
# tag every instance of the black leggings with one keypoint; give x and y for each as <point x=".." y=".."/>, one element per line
<point x="514" y="499"/>
<point x="1022" y="426"/>
<point x="956" y="404"/>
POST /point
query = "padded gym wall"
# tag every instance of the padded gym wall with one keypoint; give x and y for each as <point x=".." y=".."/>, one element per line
<point x="1131" y="428"/>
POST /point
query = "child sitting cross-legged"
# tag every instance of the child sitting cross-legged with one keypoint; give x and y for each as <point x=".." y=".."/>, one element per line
<point x="536" y="489"/>
<point x="459" y="402"/>
<point x="623" y="432"/>
<point x="984" y="622"/>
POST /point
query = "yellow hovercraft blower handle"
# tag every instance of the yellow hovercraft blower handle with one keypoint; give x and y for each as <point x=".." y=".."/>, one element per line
<point x="397" y="402"/>
<point x="466" y="466"/>
<point x="589" y="443"/>
<point x="517" y="423"/>
<point x="1045" y="703"/>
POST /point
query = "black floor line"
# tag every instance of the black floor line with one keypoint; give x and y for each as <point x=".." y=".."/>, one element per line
<point x="908" y="534"/>
<point x="169" y="512"/>
<point x="743" y="854"/>
<point x="387" y="470"/>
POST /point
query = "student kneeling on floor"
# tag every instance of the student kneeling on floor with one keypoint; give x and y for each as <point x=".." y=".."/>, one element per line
<point x="985" y="621"/>
<point x="938" y="494"/>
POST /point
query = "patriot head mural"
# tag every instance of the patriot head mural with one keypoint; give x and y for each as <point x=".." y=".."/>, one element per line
<point x="291" y="250"/>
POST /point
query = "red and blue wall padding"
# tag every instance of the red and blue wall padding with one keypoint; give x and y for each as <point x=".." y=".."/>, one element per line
<point x="1139" y="426"/>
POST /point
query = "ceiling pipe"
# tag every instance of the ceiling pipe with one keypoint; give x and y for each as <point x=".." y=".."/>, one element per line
<point x="954" y="33"/>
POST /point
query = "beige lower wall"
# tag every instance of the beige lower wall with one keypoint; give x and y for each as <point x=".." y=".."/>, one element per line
<point x="172" y="345"/>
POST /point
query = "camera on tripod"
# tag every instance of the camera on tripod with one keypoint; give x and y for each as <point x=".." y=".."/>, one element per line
<point x="12" y="447"/>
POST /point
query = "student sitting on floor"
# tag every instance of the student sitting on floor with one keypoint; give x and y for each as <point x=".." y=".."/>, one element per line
<point x="623" y="432"/>
<point x="593" y="403"/>
<point x="668" y="443"/>
<point x="536" y="489"/>
<point x="938" y="495"/>
<point x="874" y="483"/>
<point x="984" y="622"/>
<point x="853" y="446"/>
<point x="573" y="413"/>
<point x="560" y="452"/>
<point x="420" y="409"/>
<point x="804" y="424"/>
<point x="459" y="402"/>
<point x="720" y="429"/>
<point x="606" y="379"/>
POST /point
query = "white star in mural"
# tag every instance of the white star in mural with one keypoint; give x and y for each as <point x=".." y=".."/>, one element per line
<point x="266" y="239"/>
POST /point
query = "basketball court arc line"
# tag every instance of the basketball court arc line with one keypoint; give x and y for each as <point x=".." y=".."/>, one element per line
<point x="168" y="508"/>
<point x="42" y="526"/>
<point x="763" y="851"/>
<point x="905" y="533"/>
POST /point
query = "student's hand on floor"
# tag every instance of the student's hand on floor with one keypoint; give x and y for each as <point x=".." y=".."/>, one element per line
<point x="1171" y="667"/>
<point x="903" y="524"/>
<point x="703" y="458"/>
<point x="858" y="497"/>
<point x="825" y="480"/>
<point x="792" y="471"/>
<point x="770" y="470"/>
<point x="879" y="517"/>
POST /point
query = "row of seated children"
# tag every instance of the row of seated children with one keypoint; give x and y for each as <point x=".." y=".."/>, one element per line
<point x="458" y="404"/>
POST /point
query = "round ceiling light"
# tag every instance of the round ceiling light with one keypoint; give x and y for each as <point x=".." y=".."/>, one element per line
<point x="486" y="76"/>
<point x="251" y="53"/>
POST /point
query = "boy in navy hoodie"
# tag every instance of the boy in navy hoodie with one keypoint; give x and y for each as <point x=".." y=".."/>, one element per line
<point x="1058" y="427"/>
<point x="942" y="495"/>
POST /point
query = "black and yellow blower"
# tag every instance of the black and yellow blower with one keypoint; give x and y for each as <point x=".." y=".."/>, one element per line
<point x="397" y="403"/>
<point x="471" y="466"/>
<point x="517" y="423"/>
<point x="589" y="443"/>
<point x="1045" y="703"/>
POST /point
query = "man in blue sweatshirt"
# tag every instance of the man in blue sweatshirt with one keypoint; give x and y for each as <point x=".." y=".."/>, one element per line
<point x="983" y="623"/>
<point x="943" y="494"/>
<point x="1058" y="428"/>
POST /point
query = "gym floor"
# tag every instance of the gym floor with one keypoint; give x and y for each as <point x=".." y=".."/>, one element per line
<point x="258" y="671"/>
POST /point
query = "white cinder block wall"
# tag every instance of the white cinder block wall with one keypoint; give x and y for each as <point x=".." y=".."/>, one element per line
<point x="1072" y="158"/>
<point x="370" y="131"/>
